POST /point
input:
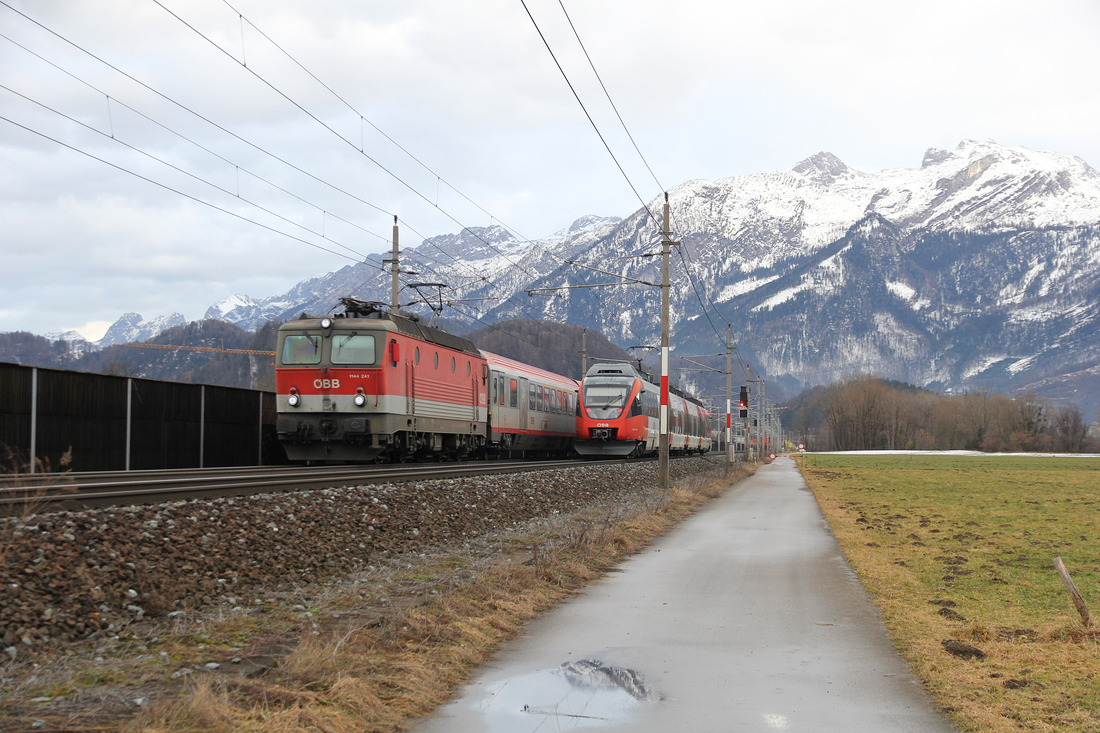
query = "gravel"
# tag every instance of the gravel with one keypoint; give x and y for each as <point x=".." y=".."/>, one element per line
<point x="70" y="576"/>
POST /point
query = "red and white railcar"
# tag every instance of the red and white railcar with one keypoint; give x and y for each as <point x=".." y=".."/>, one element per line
<point x="619" y="415"/>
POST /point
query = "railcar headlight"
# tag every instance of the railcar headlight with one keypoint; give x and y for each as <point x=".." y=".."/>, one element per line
<point x="294" y="399"/>
<point x="360" y="398"/>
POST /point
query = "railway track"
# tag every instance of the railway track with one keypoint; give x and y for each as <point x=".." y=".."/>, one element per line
<point x="53" y="492"/>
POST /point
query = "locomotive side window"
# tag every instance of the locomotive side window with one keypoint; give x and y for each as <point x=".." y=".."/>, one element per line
<point x="353" y="349"/>
<point x="416" y="356"/>
<point x="452" y="365"/>
<point x="437" y="360"/>
<point x="304" y="349"/>
<point x="467" y="369"/>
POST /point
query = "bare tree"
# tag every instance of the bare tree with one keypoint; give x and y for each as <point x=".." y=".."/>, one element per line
<point x="1069" y="428"/>
<point x="854" y="413"/>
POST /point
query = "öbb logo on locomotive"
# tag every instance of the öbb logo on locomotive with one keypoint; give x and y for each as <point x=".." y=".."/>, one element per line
<point x="372" y="385"/>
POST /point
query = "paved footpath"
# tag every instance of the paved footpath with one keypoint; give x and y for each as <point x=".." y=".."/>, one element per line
<point x="745" y="617"/>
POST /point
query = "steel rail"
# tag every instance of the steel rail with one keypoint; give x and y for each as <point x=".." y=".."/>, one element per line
<point x="55" y="492"/>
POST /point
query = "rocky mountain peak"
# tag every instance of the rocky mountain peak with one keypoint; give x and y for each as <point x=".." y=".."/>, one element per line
<point x="935" y="156"/>
<point x="132" y="327"/>
<point x="822" y="167"/>
<point x="473" y="243"/>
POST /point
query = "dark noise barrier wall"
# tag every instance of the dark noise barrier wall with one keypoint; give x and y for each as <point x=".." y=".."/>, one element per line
<point x="126" y="423"/>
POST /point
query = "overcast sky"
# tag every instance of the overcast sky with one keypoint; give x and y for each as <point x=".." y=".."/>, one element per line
<point x="160" y="155"/>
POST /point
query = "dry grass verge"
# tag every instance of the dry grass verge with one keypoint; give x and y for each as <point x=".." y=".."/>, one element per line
<point x="957" y="552"/>
<point x="374" y="651"/>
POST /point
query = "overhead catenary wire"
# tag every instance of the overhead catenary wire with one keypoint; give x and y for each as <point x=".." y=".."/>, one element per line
<point x="237" y="166"/>
<point x="607" y="94"/>
<point x="580" y="102"/>
<point x="513" y="297"/>
<point x="362" y="117"/>
<point x="217" y="126"/>
<point x="174" y="190"/>
<point x="684" y="258"/>
<point x="177" y="168"/>
<point x="328" y="127"/>
<point x="189" y="110"/>
<point x="439" y="178"/>
<point x="413" y="157"/>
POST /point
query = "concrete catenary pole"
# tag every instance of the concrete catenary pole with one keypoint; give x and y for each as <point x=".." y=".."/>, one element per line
<point x="729" y="391"/>
<point x="394" y="284"/>
<point x="666" y="248"/>
<point x="584" y="352"/>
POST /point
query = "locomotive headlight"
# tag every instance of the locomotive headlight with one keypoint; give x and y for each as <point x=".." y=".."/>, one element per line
<point x="294" y="399"/>
<point x="360" y="398"/>
<point x="326" y="323"/>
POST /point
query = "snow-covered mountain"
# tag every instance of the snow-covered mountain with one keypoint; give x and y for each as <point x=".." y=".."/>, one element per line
<point x="132" y="327"/>
<point x="75" y="343"/>
<point x="980" y="268"/>
<point x="477" y="260"/>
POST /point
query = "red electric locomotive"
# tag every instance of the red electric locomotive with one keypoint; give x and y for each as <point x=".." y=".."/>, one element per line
<point x="369" y="385"/>
<point x="619" y="415"/>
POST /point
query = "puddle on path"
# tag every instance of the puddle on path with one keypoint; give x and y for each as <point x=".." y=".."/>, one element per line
<point x="580" y="694"/>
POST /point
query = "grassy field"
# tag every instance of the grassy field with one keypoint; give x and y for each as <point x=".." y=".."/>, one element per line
<point x="960" y="548"/>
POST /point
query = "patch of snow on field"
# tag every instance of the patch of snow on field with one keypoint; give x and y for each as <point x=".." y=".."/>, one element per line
<point x="945" y="453"/>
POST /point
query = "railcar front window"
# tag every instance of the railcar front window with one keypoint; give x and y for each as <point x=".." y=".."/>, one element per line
<point x="352" y="348"/>
<point x="605" y="399"/>
<point x="303" y="349"/>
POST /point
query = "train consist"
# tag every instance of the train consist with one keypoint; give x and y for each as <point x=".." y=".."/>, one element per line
<point x="620" y="415"/>
<point x="370" y="385"/>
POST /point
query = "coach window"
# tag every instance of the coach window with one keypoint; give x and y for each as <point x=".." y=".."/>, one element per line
<point x="513" y="392"/>
<point x="353" y="349"/>
<point x="530" y="397"/>
<point x="304" y="349"/>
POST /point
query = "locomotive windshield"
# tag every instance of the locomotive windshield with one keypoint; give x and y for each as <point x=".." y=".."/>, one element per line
<point x="352" y="348"/>
<point x="606" y="398"/>
<point x="302" y="349"/>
